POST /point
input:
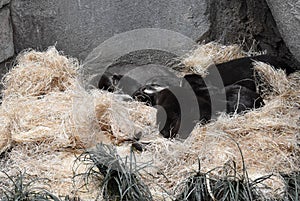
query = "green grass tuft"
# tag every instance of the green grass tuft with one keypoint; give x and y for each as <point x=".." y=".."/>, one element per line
<point x="121" y="180"/>
<point x="19" y="188"/>
<point x="230" y="187"/>
<point x="292" y="187"/>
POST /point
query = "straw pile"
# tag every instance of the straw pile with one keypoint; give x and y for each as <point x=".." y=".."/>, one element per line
<point x="49" y="119"/>
<point x="212" y="53"/>
<point x="38" y="73"/>
<point x="5" y="137"/>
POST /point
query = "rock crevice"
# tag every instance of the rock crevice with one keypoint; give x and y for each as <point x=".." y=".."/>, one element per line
<point x="246" y="21"/>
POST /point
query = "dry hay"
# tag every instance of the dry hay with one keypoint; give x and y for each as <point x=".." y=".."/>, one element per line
<point x="271" y="82"/>
<point x="205" y="55"/>
<point x="49" y="124"/>
<point x="5" y="134"/>
<point x="48" y="118"/>
<point x="38" y="73"/>
<point x="39" y="100"/>
<point x="38" y="103"/>
<point x="209" y="54"/>
<point x="123" y="120"/>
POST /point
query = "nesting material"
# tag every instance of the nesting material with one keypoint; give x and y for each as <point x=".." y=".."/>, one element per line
<point x="5" y="134"/>
<point x="269" y="80"/>
<point x="209" y="54"/>
<point x="123" y="120"/>
<point x="37" y="120"/>
<point x="39" y="160"/>
<point x="51" y="119"/>
<point x="48" y="119"/>
<point x="40" y="116"/>
<point x="38" y="73"/>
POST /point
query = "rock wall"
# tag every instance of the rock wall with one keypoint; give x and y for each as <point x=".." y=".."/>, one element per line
<point x="287" y="16"/>
<point x="77" y="27"/>
<point x="237" y="21"/>
<point x="4" y="2"/>
<point x="6" y="32"/>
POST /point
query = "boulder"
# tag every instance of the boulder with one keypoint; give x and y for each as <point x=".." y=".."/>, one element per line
<point x="287" y="16"/>
<point x="77" y="27"/>
<point x="6" y="35"/>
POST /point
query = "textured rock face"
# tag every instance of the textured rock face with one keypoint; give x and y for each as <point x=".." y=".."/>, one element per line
<point x="77" y="27"/>
<point x="80" y="26"/>
<point x="6" y="35"/>
<point x="239" y="21"/>
<point x="287" y="16"/>
<point x="4" y="2"/>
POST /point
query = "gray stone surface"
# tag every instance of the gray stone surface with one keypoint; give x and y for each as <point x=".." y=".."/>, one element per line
<point x="246" y="21"/>
<point x="6" y="35"/>
<point x="4" y="2"/>
<point x="287" y="16"/>
<point x="4" y="68"/>
<point x="80" y="26"/>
